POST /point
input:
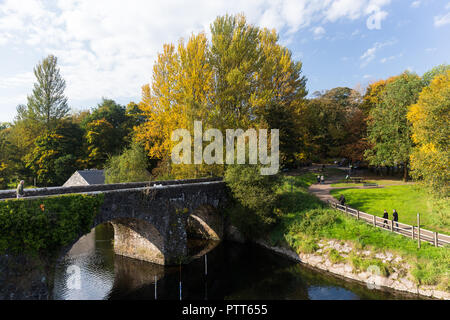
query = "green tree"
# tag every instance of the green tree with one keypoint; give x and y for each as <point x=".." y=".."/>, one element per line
<point x="101" y="142"/>
<point x="256" y="198"/>
<point x="51" y="162"/>
<point x="47" y="104"/>
<point x="130" y="166"/>
<point x="389" y="131"/>
<point x="436" y="71"/>
<point x="333" y="120"/>
<point x="108" y="131"/>
<point x="279" y="99"/>
<point x="236" y="57"/>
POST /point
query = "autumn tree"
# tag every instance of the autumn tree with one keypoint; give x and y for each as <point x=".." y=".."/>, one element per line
<point x="50" y="162"/>
<point x="434" y="72"/>
<point x="374" y="93"/>
<point x="180" y="92"/>
<point x="7" y="156"/>
<point x="279" y="99"/>
<point x="430" y="118"/>
<point x="236" y="58"/>
<point x="242" y="79"/>
<point x="334" y="123"/>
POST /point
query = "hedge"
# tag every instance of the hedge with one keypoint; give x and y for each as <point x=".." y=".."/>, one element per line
<point x="42" y="226"/>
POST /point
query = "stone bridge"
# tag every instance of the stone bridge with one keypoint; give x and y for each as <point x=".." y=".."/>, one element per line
<point x="152" y="219"/>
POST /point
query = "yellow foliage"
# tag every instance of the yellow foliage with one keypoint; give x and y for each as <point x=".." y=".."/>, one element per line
<point x="431" y="133"/>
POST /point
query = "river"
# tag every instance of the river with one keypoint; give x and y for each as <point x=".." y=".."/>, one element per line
<point x="229" y="271"/>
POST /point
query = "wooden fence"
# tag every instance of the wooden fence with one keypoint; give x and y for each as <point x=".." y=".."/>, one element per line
<point x="413" y="232"/>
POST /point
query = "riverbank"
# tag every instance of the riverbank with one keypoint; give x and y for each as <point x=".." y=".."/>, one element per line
<point x="310" y="232"/>
<point x="327" y="259"/>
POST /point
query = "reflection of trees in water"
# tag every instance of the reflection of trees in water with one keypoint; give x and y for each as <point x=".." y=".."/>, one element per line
<point x="316" y="278"/>
<point x="132" y="274"/>
<point x="135" y="279"/>
<point x="235" y="271"/>
<point x="95" y="258"/>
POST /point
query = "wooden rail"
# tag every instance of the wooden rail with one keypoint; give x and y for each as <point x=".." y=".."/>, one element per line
<point x="413" y="232"/>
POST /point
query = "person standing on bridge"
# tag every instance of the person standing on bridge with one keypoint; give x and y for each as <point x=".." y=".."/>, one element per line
<point x="318" y="179"/>
<point x="322" y="179"/>
<point x="385" y="217"/>
<point x="19" y="190"/>
<point x="395" y="218"/>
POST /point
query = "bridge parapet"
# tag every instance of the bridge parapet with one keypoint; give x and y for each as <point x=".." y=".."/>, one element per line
<point x="9" y="194"/>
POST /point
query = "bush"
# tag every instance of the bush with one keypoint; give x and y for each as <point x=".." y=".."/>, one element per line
<point x="42" y="226"/>
<point x="255" y="198"/>
<point x="130" y="166"/>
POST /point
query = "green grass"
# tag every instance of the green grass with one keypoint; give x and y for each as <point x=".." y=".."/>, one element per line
<point x="381" y="182"/>
<point x="304" y="220"/>
<point x="408" y="200"/>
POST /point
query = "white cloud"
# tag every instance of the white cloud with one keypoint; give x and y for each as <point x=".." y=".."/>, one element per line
<point x="18" y="80"/>
<point x="415" y="4"/>
<point x="318" y="32"/>
<point x="390" y="58"/>
<point x="442" y="20"/>
<point x="107" y="47"/>
<point x="370" y="53"/>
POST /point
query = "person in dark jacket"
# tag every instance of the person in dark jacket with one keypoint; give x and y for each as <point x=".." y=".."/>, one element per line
<point x="19" y="190"/>
<point x="342" y="200"/>
<point x="385" y="217"/>
<point x="395" y="217"/>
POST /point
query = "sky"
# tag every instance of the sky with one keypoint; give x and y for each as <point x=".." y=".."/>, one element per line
<point x="106" y="48"/>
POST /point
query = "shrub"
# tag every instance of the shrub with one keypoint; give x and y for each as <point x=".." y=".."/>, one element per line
<point x="42" y="226"/>
<point x="130" y="166"/>
<point x="255" y="198"/>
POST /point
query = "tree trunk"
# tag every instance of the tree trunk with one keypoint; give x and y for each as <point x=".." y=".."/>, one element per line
<point x="405" y="172"/>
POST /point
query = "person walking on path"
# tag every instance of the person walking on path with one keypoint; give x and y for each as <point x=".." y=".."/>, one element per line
<point x="19" y="190"/>
<point x="322" y="179"/>
<point x="342" y="200"/>
<point x="395" y="218"/>
<point x="385" y="217"/>
<point x="318" y="179"/>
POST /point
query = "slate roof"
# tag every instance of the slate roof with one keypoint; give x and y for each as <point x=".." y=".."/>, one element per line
<point x="93" y="176"/>
<point x="86" y="177"/>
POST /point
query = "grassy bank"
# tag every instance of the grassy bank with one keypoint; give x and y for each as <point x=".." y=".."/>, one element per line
<point x="408" y="200"/>
<point x="381" y="182"/>
<point x="304" y="220"/>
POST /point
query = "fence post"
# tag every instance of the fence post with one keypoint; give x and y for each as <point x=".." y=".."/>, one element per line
<point x="412" y="232"/>
<point x="391" y="225"/>
<point x="357" y="214"/>
<point x="435" y="239"/>
<point x="346" y="209"/>
<point x="418" y="230"/>
<point x="374" y="221"/>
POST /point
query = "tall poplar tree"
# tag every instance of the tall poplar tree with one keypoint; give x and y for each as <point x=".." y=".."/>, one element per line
<point x="47" y="104"/>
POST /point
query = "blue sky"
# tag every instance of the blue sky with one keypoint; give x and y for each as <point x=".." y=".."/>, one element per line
<point x="106" y="48"/>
